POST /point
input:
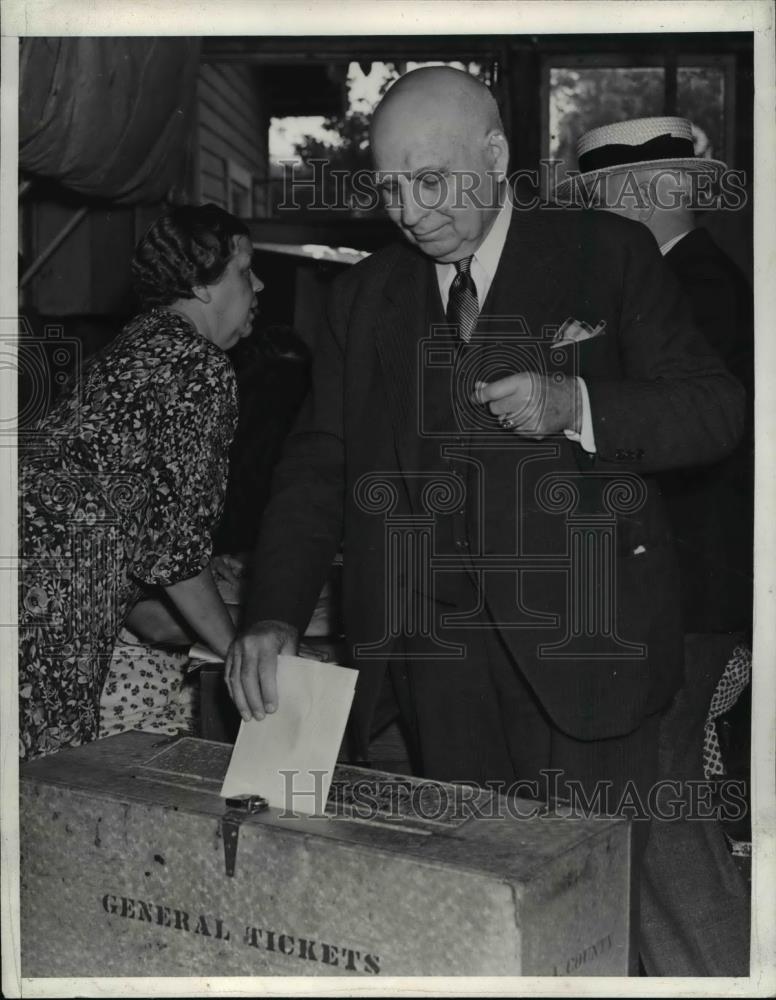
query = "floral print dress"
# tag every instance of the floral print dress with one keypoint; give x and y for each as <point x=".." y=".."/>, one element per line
<point x="120" y="490"/>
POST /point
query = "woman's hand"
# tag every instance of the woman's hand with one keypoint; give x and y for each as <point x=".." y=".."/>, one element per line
<point x="230" y="568"/>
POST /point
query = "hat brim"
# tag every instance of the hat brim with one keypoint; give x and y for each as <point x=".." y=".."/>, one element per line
<point x="572" y="185"/>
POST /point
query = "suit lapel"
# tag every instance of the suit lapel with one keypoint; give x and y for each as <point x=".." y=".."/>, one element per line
<point x="692" y="245"/>
<point x="524" y="283"/>
<point x="399" y="330"/>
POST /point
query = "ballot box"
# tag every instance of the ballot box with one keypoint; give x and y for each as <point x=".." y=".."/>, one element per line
<point x="133" y="865"/>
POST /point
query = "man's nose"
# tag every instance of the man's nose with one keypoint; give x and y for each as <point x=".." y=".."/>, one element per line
<point x="256" y="283"/>
<point x="411" y="210"/>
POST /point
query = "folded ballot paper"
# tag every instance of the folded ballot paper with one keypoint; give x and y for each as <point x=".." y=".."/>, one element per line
<point x="282" y="756"/>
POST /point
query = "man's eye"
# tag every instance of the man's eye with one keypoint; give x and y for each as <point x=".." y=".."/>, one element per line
<point x="430" y="181"/>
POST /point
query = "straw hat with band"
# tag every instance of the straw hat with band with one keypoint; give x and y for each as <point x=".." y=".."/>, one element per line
<point x="638" y="144"/>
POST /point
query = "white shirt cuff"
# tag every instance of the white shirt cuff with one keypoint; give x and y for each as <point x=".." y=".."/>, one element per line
<point x="586" y="437"/>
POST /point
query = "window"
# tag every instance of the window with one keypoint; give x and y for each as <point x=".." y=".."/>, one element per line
<point x="700" y="96"/>
<point x="582" y="98"/>
<point x="342" y="141"/>
<point x="581" y="92"/>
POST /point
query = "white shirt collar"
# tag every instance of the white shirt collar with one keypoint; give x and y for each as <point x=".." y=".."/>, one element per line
<point x="665" y="247"/>
<point x="486" y="259"/>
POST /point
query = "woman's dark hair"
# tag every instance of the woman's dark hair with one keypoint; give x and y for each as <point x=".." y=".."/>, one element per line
<point x="188" y="246"/>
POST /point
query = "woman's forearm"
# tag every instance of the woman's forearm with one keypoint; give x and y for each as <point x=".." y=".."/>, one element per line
<point x="201" y="605"/>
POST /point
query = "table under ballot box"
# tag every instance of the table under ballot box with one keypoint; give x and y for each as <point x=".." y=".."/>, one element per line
<point x="134" y="865"/>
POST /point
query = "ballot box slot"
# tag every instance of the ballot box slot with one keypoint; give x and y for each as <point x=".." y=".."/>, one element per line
<point x="357" y="794"/>
<point x="402" y="801"/>
<point x="191" y="784"/>
<point x="385" y="825"/>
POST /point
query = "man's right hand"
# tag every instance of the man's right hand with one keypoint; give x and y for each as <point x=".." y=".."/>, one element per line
<point x="251" y="666"/>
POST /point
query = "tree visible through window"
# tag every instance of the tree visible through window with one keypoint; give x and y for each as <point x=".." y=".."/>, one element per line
<point x="342" y="140"/>
<point x="583" y="97"/>
<point x="700" y="97"/>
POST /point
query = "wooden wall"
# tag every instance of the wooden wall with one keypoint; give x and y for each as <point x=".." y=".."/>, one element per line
<point x="89" y="273"/>
<point x="233" y="131"/>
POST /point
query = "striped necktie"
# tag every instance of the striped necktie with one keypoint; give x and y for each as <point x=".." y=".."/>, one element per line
<point x="462" y="305"/>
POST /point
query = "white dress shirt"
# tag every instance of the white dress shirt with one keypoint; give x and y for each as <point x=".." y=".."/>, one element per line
<point x="665" y="247"/>
<point x="483" y="270"/>
<point x="485" y="261"/>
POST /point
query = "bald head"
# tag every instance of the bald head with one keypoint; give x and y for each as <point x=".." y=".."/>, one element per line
<point x="448" y="97"/>
<point x="441" y="157"/>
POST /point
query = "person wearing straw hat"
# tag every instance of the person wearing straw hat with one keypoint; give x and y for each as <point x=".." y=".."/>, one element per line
<point x="615" y="160"/>
<point x="695" y="905"/>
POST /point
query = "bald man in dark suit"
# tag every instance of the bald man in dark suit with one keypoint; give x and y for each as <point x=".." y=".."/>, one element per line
<point x="571" y="373"/>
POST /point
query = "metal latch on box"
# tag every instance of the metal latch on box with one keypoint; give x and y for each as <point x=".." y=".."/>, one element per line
<point x="237" y="809"/>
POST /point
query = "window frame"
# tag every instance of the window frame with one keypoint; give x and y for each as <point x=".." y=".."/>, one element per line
<point x="238" y="176"/>
<point x="669" y="62"/>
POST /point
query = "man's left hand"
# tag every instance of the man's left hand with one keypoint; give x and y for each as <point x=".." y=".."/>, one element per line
<point x="533" y="405"/>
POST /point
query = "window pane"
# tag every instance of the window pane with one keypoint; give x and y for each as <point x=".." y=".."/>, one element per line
<point x="582" y="98"/>
<point x="700" y="96"/>
<point x="341" y="140"/>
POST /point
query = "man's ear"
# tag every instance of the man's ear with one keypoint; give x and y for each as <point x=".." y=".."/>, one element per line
<point x="201" y="292"/>
<point x="498" y="151"/>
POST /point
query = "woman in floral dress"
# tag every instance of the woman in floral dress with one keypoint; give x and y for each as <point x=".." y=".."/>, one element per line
<point x="125" y="485"/>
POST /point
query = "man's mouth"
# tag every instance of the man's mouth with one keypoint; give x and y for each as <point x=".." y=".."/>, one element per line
<point x="429" y="235"/>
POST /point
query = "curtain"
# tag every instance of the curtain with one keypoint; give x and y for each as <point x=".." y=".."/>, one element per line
<point x="107" y="117"/>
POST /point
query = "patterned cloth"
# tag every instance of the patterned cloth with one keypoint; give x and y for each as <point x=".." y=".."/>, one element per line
<point x="122" y="489"/>
<point x="148" y="688"/>
<point x="736" y="676"/>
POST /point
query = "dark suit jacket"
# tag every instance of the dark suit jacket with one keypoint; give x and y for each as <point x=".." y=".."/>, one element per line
<point x="660" y="399"/>
<point x="711" y="509"/>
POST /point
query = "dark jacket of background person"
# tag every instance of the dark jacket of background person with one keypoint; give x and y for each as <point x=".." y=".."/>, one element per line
<point x="711" y="508"/>
<point x="273" y="377"/>
<point x="659" y="398"/>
